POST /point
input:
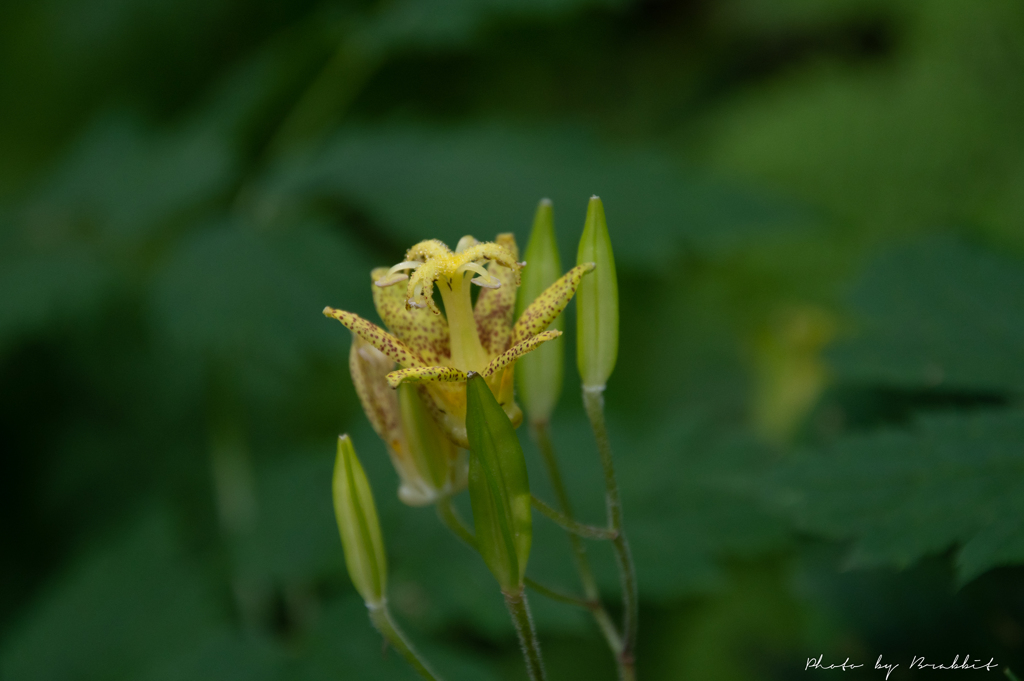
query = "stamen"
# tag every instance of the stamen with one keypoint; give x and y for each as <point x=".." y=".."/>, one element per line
<point x="465" y="242"/>
<point x="393" y="276"/>
<point x="386" y="281"/>
<point x="486" y="279"/>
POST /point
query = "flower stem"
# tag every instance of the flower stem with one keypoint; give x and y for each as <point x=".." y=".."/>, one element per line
<point x="593" y="401"/>
<point x="381" y="619"/>
<point x="450" y="517"/>
<point x="519" y="609"/>
<point x="542" y="435"/>
<point x="570" y="525"/>
<point x="556" y="595"/>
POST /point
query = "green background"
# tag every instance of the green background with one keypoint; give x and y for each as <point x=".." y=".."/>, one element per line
<point x="818" y="216"/>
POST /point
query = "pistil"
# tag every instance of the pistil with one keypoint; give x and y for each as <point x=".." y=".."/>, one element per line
<point x="467" y="353"/>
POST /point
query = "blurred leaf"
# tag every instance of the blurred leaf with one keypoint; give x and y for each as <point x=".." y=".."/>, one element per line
<point x="422" y="183"/>
<point x="345" y="645"/>
<point x="684" y="508"/>
<point x="124" y="180"/>
<point x="940" y="312"/>
<point x="295" y="538"/>
<point x="903" y="494"/>
<point x="920" y="134"/>
<point x="236" y="293"/>
<point x="225" y="656"/>
<point x="119" y="610"/>
<point x="44" y="289"/>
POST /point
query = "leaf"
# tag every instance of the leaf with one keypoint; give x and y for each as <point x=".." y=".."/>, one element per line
<point x="239" y="294"/>
<point x="225" y="656"/>
<point x="685" y="503"/>
<point x="128" y="180"/>
<point x="295" y="537"/>
<point x="344" y="642"/>
<point x="119" y="611"/>
<point x="902" y="494"/>
<point x="940" y="312"/>
<point x="50" y="288"/>
<point x="408" y="179"/>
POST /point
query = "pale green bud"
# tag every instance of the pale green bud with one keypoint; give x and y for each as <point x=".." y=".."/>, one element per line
<point x="597" y="302"/>
<point x="539" y="373"/>
<point x="432" y="466"/>
<point x="359" y="526"/>
<point x="499" y="490"/>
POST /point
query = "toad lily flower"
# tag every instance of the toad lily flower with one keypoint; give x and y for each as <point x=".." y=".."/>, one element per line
<point x="438" y="350"/>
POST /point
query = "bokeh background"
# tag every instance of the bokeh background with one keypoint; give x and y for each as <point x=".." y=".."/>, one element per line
<point x="817" y="210"/>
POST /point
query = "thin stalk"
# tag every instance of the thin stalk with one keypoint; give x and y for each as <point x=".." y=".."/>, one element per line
<point x="450" y="517"/>
<point x="519" y="609"/>
<point x="381" y="619"/>
<point x="593" y="401"/>
<point x="542" y="435"/>
<point x="570" y="525"/>
<point x="556" y="595"/>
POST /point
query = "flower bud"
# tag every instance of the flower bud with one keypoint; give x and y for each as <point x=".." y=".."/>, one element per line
<point x="435" y="467"/>
<point x="539" y="374"/>
<point x="597" y="302"/>
<point x="429" y="465"/>
<point x="499" y="490"/>
<point x="358" y="525"/>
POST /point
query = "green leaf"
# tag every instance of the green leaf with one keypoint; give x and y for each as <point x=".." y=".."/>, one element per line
<point x="902" y="494"/>
<point x="498" y="486"/>
<point x="940" y="312"/>
<point x="408" y="178"/>
<point x="119" y="611"/>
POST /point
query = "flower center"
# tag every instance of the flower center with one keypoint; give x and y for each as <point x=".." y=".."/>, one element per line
<point x="432" y="261"/>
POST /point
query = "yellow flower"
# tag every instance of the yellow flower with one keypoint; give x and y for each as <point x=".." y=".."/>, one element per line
<point x="439" y="350"/>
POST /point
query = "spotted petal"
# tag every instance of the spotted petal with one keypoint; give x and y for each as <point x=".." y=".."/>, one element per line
<point x="548" y="305"/>
<point x="369" y="366"/>
<point x="426" y="333"/>
<point x="517" y="351"/>
<point x="425" y="375"/>
<point x="495" y="306"/>
<point x="377" y="337"/>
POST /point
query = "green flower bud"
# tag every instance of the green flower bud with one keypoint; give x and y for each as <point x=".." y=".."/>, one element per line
<point x="597" y="302"/>
<point x="499" y="490"/>
<point x="435" y="466"/>
<point x="539" y="374"/>
<point x="359" y="526"/>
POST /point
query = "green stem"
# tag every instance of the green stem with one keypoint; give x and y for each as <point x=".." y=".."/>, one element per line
<point x="519" y="609"/>
<point x="450" y="517"/>
<point x="593" y="401"/>
<point x="542" y="435"/>
<point x="381" y="619"/>
<point x="570" y="525"/>
<point x="556" y="595"/>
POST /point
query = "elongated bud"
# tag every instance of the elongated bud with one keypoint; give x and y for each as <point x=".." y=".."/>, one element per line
<point x="499" y="490"/>
<point x="359" y="526"/>
<point x="539" y="374"/>
<point x="597" y="302"/>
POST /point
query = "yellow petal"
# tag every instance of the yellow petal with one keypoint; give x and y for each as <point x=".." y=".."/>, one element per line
<point x="517" y="351"/>
<point x="425" y="375"/>
<point x="495" y="306"/>
<point x="549" y="304"/>
<point x="424" y="332"/>
<point x="377" y="337"/>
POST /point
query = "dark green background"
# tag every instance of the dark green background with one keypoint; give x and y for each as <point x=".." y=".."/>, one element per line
<point x="818" y="216"/>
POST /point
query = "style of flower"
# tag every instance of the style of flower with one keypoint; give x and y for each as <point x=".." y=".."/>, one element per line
<point x="437" y="351"/>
